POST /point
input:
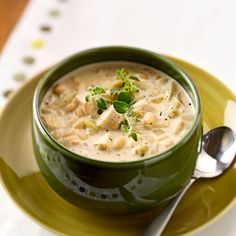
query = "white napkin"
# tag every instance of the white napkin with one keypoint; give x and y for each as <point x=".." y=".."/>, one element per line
<point x="202" y="32"/>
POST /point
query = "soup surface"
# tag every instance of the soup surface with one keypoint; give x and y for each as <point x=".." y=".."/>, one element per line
<point x="117" y="111"/>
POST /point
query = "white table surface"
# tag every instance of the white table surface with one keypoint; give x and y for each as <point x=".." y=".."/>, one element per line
<point x="202" y="32"/>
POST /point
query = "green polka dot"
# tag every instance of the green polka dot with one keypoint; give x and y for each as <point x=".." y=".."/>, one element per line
<point x="28" y="60"/>
<point x="54" y="13"/>
<point x="37" y="43"/>
<point x="7" y="93"/>
<point x="19" y="77"/>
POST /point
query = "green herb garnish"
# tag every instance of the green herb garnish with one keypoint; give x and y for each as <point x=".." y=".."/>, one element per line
<point x="134" y="77"/>
<point x="128" y="86"/>
<point x="133" y="135"/>
<point x="95" y="92"/>
<point x="87" y="98"/>
<point x="101" y="104"/>
<point x="125" y="100"/>
<point x="125" y="97"/>
<point x="122" y="74"/>
<point x="125" y="127"/>
<point x="120" y="106"/>
<point x="114" y="91"/>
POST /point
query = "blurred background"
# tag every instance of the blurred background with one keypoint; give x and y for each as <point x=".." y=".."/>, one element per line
<point x="45" y="31"/>
<point x="35" y="34"/>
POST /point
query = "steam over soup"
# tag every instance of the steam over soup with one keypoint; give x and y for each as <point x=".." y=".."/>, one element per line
<point x="117" y="111"/>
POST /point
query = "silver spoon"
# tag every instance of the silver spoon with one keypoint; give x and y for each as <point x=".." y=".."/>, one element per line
<point x="218" y="152"/>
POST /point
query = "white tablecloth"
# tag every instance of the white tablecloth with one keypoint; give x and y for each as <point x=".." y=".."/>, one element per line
<point x="202" y="32"/>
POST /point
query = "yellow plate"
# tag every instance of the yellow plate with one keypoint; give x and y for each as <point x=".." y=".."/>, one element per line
<point x="23" y="181"/>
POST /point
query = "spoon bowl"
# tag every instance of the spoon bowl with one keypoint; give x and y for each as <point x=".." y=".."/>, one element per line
<point x="219" y="148"/>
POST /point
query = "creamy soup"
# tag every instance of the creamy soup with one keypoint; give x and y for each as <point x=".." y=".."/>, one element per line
<point x="117" y="111"/>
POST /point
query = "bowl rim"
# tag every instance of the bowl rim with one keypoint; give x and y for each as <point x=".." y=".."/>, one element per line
<point x="109" y="164"/>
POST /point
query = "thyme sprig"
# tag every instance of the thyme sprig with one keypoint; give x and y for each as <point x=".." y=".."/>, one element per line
<point x="122" y="99"/>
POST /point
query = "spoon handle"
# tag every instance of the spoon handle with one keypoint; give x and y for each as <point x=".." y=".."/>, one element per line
<point x="157" y="226"/>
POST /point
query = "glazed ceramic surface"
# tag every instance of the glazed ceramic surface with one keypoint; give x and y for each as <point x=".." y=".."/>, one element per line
<point x="116" y="188"/>
<point x="27" y="187"/>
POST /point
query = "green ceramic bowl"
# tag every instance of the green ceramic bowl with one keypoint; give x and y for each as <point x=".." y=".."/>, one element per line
<point x="124" y="187"/>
